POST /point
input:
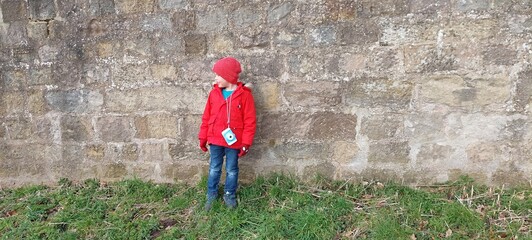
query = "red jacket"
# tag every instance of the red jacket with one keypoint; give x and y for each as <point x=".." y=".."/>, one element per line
<point x="243" y="119"/>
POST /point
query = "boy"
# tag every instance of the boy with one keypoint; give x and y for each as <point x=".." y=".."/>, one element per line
<point x="227" y="126"/>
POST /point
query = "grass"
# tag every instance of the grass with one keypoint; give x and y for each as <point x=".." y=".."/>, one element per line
<point x="277" y="207"/>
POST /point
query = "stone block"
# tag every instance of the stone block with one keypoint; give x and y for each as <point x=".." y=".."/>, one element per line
<point x="113" y="171"/>
<point x="102" y="7"/>
<point x="12" y="103"/>
<point x="15" y="79"/>
<point x="36" y="103"/>
<point x="478" y="177"/>
<point x="166" y="47"/>
<point x="342" y="10"/>
<point x="277" y="12"/>
<point x="185" y="152"/>
<point x="323" y="35"/>
<point x="173" y="4"/>
<point x="130" y="75"/>
<point x="156" y="126"/>
<point x="190" y="126"/>
<point x="195" y="44"/>
<point x="42" y="9"/>
<point x="301" y="151"/>
<point x="14" y="35"/>
<point x="21" y="161"/>
<point x="352" y="63"/>
<point x="74" y="101"/>
<point x="286" y="169"/>
<point x="115" y="129"/>
<point x="358" y="33"/>
<point x="18" y="128"/>
<point x="317" y="94"/>
<point x="222" y="44"/>
<point x="40" y="76"/>
<point x="183" y="98"/>
<point x="500" y="55"/>
<point x="267" y="96"/>
<point x="378" y="127"/>
<point x="122" y="151"/>
<point x="95" y="152"/>
<point x="429" y="6"/>
<point x="259" y="40"/>
<point x="154" y="152"/>
<point x="470" y="5"/>
<point x="484" y="154"/>
<point x="434" y="153"/>
<point x="38" y="31"/>
<point x="429" y="127"/>
<point x="428" y="58"/>
<point x="379" y="93"/>
<point x="245" y="17"/>
<point x="156" y="23"/>
<point x="73" y="164"/>
<point x="389" y="152"/>
<point x="283" y="125"/>
<point x="523" y="91"/>
<point x="293" y="38"/>
<point x="163" y="72"/>
<point x="344" y="152"/>
<point x="181" y="172"/>
<point x="185" y="21"/>
<point x="269" y="67"/>
<point x="510" y="176"/>
<point x="214" y="20"/>
<point x="14" y="10"/>
<point x="134" y="6"/>
<point x="76" y="129"/>
<point x="2" y="130"/>
<point x="458" y="92"/>
<point x="368" y="8"/>
<point x="327" y="126"/>
<point x="96" y="74"/>
<point x="326" y="170"/>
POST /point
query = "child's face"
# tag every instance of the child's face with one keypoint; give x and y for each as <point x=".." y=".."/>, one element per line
<point x="222" y="83"/>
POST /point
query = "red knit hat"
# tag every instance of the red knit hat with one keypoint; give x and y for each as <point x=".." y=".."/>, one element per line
<point x="228" y="68"/>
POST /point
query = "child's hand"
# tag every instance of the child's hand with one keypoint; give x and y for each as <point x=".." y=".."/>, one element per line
<point x="244" y="150"/>
<point x="203" y="144"/>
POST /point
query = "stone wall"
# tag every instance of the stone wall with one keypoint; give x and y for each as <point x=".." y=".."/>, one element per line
<point x="412" y="90"/>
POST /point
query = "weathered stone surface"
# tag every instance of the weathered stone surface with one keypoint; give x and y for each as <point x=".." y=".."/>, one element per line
<point x="75" y="101"/>
<point x="323" y="35"/>
<point x="266" y="96"/>
<point x="434" y="153"/>
<point x="319" y="94"/>
<point x="283" y="125"/>
<point x="121" y="151"/>
<point x="344" y="152"/>
<point x="42" y="9"/>
<point x="379" y="93"/>
<point x="2" y="130"/>
<point x="456" y="91"/>
<point x="195" y="44"/>
<point x="14" y="10"/>
<point x="279" y="11"/>
<point x="154" y="152"/>
<point x="75" y="128"/>
<point x="455" y="174"/>
<point x="156" y="126"/>
<point x="382" y="126"/>
<point x="134" y="6"/>
<point x="523" y="96"/>
<point x="292" y="38"/>
<point x="180" y="172"/>
<point x="32" y="130"/>
<point x="393" y="152"/>
<point x="15" y="35"/>
<point x="332" y="126"/>
<point x="429" y="6"/>
<point x="25" y="161"/>
<point x="269" y="67"/>
<point x="212" y="21"/>
<point x="14" y="80"/>
<point x="468" y="5"/>
<point x="358" y="33"/>
<point x="500" y="55"/>
<point x="368" y="8"/>
<point x="173" y="4"/>
<point x="11" y="103"/>
<point x="325" y="170"/>
<point x="185" y="21"/>
<point x="36" y="103"/>
<point x="113" y="171"/>
<point x="300" y="151"/>
<point x="158" y="22"/>
<point x="486" y="154"/>
<point x="245" y="17"/>
<point x="189" y="127"/>
<point x="40" y="76"/>
<point x="184" y="98"/>
<point x="95" y="152"/>
<point x="115" y="129"/>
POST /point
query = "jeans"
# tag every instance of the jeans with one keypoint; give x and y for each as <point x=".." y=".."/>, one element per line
<point x="215" y="170"/>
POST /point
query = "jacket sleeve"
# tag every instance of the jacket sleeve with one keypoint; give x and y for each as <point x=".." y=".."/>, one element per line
<point x="205" y="120"/>
<point x="250" y="120"/>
